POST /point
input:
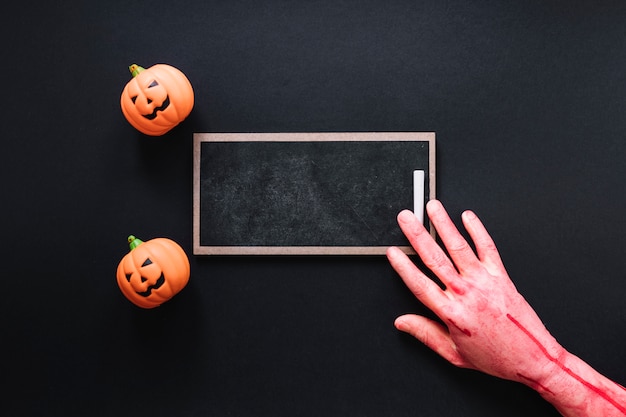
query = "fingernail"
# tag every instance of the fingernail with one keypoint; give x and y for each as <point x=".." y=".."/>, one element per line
<point x="469" y="215"/>
<point x="401" y="325"/>
<point x="433" y="204"/>
<point x="406" y="216"/>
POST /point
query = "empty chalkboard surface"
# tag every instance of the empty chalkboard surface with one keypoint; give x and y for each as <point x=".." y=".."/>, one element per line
<point x="306" y="193"/>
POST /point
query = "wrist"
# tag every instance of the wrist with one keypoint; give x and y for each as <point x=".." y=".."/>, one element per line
<point x="548" y="375"/>
<point x="576" y="389"/>
<point x="558" y="377"/>
<point x="543" y="359"/>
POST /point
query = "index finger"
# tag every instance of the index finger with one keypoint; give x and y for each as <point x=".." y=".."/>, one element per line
<point x="429" y="251"/>
<point x="420" y="285"/>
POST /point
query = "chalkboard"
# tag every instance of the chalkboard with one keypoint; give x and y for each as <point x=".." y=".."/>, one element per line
<point x="306" y="193"/>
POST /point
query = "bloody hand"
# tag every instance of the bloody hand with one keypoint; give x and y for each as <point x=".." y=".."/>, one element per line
<point x="487" y="324"/>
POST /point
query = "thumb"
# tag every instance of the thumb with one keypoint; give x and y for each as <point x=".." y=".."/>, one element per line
<point x="433" y="335"/>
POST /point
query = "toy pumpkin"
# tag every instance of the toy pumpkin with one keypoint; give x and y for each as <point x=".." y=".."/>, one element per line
<point x="156" y="99"/>
<point x="153" y="271"/>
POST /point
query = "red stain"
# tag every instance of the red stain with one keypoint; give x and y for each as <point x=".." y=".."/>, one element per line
<point x="568" y="371"/>
<point x="534" y="383"/>
<point x="467" y="332"/>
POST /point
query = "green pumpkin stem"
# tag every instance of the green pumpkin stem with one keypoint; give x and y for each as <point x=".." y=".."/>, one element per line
<point x="133" y="242"/>
<point x="135" y="69"/>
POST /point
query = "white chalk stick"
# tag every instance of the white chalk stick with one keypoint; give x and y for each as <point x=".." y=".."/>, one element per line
<point x="418" y="194"/>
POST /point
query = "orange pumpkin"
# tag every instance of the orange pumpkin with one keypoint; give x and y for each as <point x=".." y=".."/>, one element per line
<point x="153" y="271"/>
<point x="156" y="99"/>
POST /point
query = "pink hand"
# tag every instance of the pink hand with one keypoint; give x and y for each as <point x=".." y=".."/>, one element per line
<point x="477" y="304"/>
<point x="488" y="325"/>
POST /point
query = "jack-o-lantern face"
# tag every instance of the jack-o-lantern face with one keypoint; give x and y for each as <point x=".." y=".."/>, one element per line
<point x="156" y="99"/>
<point x="153" y="271"/>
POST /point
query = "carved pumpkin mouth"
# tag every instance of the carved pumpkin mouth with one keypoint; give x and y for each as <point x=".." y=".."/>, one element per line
<point x="163" y="106"/>
<point x="156" y="286"/>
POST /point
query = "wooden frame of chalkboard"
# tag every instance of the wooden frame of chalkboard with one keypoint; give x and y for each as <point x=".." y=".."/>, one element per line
<point x="306" y="193"/>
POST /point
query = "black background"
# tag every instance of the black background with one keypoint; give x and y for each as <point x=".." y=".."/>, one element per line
<point x="528" y="100"/>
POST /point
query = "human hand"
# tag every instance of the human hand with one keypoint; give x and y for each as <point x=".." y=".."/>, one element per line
<point x="487" y="324"/>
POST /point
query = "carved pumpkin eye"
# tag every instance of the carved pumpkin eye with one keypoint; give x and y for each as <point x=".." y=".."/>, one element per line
<point x="146" y="262"/>
<point x="133" y="99"/>
<point x="153" y="84"/>
<point x="128" y="277"/>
